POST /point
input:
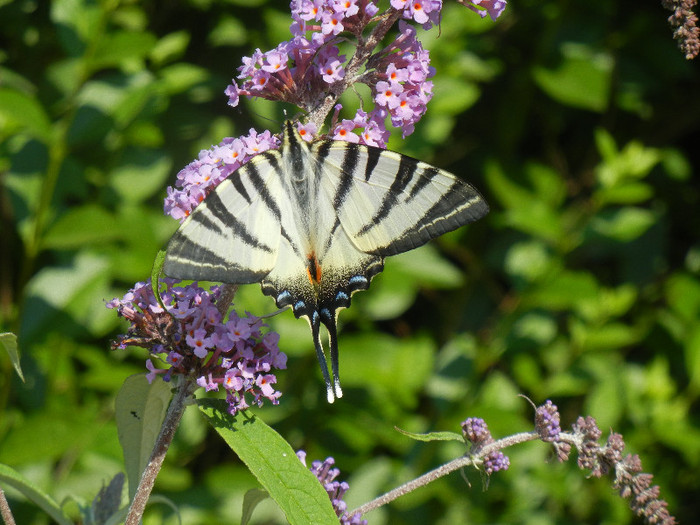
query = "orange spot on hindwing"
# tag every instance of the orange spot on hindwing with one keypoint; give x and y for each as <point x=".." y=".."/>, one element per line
<point x="313" y="269"/>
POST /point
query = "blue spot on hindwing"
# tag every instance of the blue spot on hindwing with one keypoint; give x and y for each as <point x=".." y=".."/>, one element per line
<point x="358" y="279"/>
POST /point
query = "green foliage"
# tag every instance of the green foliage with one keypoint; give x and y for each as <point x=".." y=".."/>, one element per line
<point x="575" y="120"/>
<point x="274" y="463"/>
<point x="139" y="410"/>
<point x="14" y="479"/>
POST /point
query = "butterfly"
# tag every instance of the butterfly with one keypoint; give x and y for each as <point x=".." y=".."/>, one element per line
<point x="313" y="222"/>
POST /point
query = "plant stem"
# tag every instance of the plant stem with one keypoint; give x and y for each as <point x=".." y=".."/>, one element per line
<point x="172" y="419"/>
<point x="5" y="510"/>
<point x="362" y="52"/>
<point x="461" y="462"/>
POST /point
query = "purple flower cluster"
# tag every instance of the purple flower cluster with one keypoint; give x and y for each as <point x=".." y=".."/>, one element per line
<point x="326" y="474"/>
<point x="547" y="422"/>
<point x="304" y="69"/>
<point x="426" y="12"/>
<point x="632" y="483"/>
<point x="496" y="461"/>
<point x="300" y="70"/>
<point x="193" y="339"/>
<point x="476" y="431"/>
<point x="493" y="8"/>
<point x="198" y="178"/>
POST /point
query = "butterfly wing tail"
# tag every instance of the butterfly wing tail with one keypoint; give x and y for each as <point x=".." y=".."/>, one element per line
<point x="329" y="321"/>
<point x="332" y="389"/>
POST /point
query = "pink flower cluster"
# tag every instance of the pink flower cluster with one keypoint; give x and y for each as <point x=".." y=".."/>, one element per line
<point x="193" y="339"/>
<point x="304" y="69"/>
<point x="299" y="70"/>
<point x="426" y="12"/>
<point x="492" y="8"/>
<point x="199" y="177"/>
<point x="398" y="76"/>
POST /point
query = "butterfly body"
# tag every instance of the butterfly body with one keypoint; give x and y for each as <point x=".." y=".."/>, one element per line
<point x="312" y="222"/>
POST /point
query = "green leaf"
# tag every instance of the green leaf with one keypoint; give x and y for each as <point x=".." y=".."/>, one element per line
<point x="170" y="47"/>
<point x="77" y="23"/>
<point x="529" y="261"/>
<point x="64" y="298"/>
<point x="82" y="226"/>
<point x="453" y="95"/>
<point x="139" y="411"/>
<point x="625" y="224"/>
<point x="251" y="500"/>
<point x="427" y="267"/>
<point x="683" y="296"/>
<point x="508" y="193"/>
<point x="274" y="463"/>
<point x="432" y="436"/>
<point x="22" y="112"/>
<point x="547" y="184"/>
<point x="563" y="290"/>
<point x="108" y="500"/>
<point x="181" y="77"/>
<point x="8" y="341"/>
<point x="582" y="79"/>
<point x="633" y="162"/>
<point x="15" y="480"/>
<point x="607" y="337"/>
<point x="142" y="173"/>
<point x="388" y="366"/>
<point x="119" y="47"/>
<point x="155" y="276"/>
<point x="624" y="193"/>
<point x="691" y="349"/>
<point x="229" y="31"/>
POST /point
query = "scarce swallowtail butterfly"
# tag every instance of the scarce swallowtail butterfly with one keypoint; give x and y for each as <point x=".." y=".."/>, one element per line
<point x="312" y="222"/>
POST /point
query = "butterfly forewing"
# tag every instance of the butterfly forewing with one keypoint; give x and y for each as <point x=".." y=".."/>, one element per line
<point x="391" y="203"/>
<point x="313" y="223"/>
<point x="233" y="236"/>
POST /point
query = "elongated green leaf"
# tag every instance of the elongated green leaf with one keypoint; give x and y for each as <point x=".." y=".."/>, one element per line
<point x="121" y="46"/>
<point x="251" y="500"/>
<point x="274" y="463"/>
<point x="140" y="409"/>
<point x="625" y="224"/>
<point x="432" y="436"/>
<point x="15" y="480"/>
<point x="155" y="276"/>
<point x="21" y="110"/>
<point x="8" y="341"/>
<point x="581" y="80"/>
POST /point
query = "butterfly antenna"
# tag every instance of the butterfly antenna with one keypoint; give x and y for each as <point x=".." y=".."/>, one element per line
<point x="316" y="335"/>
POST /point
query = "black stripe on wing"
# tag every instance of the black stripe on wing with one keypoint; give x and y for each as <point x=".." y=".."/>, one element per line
<point x="214" y="205"/>
<point x="251" y="169"/>
<point x="404" y="175"/>
<point x="460" y="205"/>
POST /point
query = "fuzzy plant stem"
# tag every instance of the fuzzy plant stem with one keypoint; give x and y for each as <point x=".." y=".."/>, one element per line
<point x="455" y="464"/>
<point x="5" y="511"/>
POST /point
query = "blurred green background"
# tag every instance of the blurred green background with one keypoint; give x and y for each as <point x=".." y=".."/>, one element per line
<point x="580" y="123"/>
